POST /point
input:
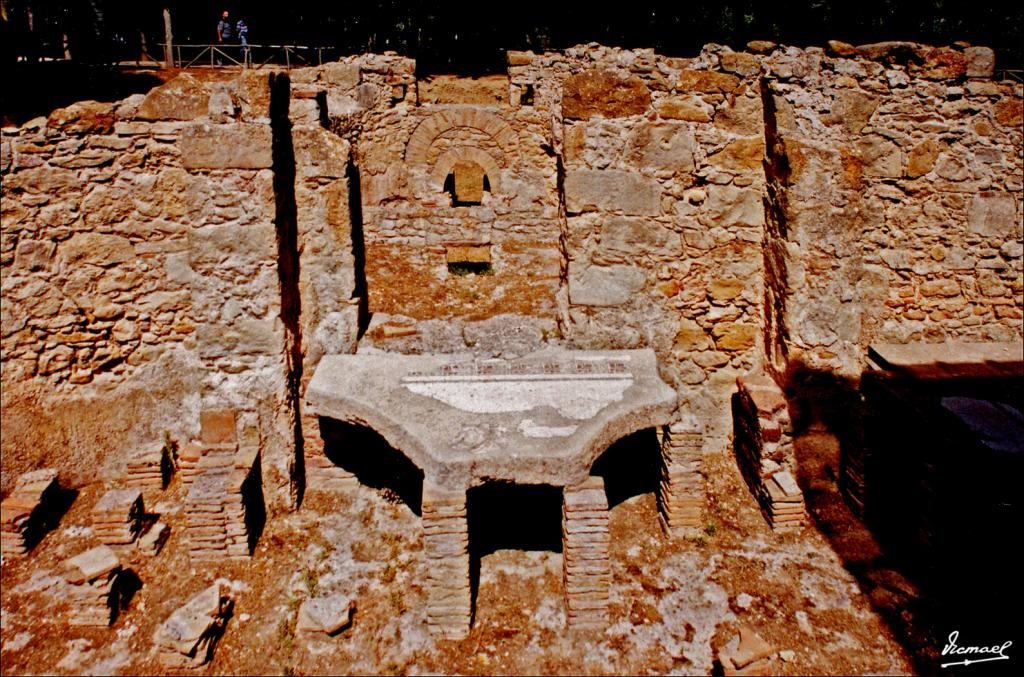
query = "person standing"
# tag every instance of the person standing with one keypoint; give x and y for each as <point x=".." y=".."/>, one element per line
<point x="242" y="31"/>
<point x="225" y="31"/>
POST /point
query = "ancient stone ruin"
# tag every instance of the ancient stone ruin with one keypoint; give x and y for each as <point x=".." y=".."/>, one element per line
<point x="500" y="276"/>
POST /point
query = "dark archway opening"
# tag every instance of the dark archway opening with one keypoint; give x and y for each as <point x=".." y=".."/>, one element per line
<point x="376" y="464"/>
<point x="630" y="467"/>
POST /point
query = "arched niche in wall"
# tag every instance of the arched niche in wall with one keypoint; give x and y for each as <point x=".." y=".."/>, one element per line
<point x="462" y="143"/>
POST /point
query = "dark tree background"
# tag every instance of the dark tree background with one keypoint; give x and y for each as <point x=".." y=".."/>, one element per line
<point x="472" y="38"/>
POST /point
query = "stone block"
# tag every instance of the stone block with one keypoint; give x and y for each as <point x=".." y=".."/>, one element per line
<point x="981" y="62"/>
<point x="992" y="214"/>
<point x="734" y="336"/>
<point x="252" y="90"/>
<point x="83" y="117"/>
<point x="921" y="158"/>
<point x="879" y="156"/>
<point x="319" y="153"/>
<point x="729" y="206"/>
<point x="230" y="146"/>
<point x="631" y="237"/>
<point x="183" y="98"/>
<point x="601" y="93"/>
<point x="740" y="63"/>
<point x="217" y="426"/>
<point x="690" y="108"/>
<point x="740" y="154"/>
<point x="345" y="75"/>
<point x="707" y="82"/>
<point x="611" y="190"/>
<point x="98" y="249"/>
<point x="604" y="286"/>
<point x="666" y="145"/>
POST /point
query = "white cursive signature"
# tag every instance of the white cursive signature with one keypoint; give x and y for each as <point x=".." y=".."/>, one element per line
<point x="955" y="650"/>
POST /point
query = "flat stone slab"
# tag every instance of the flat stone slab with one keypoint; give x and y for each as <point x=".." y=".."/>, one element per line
<point x="327" y="614"/>
<point x="91" y="564"/>
<point x="950" y="360"/>
<point x="539" y="419"/>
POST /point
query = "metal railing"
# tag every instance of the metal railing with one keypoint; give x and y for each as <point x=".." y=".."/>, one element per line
<point x="248" y="56"/>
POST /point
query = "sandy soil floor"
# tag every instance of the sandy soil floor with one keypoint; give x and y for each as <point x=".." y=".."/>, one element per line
<point x="670" y="601"/>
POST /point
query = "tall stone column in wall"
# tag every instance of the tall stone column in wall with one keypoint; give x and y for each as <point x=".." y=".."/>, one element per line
<point x="586" y="566"/>
<point x="683" y="491"/>
<point x="446" y="544"/>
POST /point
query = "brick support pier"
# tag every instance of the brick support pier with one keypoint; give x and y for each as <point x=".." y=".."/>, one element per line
<point x="683" y="491"/>
<point x="446" y="544"/>
<point x="586" y="566"/>
<point x="763" y="439"/>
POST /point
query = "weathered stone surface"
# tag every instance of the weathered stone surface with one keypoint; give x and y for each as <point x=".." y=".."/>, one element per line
<point x="708" y="82"/>
<point x="183" y="98"/>
<point x="491" y="90"/>
<point x="692" y="108"/>
<point x="319" y="153"/>
<point x="601" y="93"/>
<point x="629" y="237"/>
<point x="612" y="190"/>
<point x="761" y="46"/>
<point x="345" y="75"/>
<point x="97" y="249"/>
<point x="469" y="182"/>
<point x="853" y="109"/>
<point x="839" y="48"/>
<point x="325" y="613"/>
<point x="734" y="336"/>
<point x="725" y="289"/>
<point x="690" y="337"/>
<point x="981" y="62"/>
<point x="608" y="286"/>
<point x="1009" y="112"/>
<point x="739" y="154"/>
<point x="921" y="159"/>
<point x="880" y="157"/>
<point x="252" y="92"/>
<point x="993" y="214"/>
<point x="34" y="254"/>
<point x="741" y="115"/>
<point x="233" y="146"/>
<point x="943" y="63"/>
<point x="43" y="180"/>
<point x="729" y="205"/>
<point x="664" y="146"/>
<point x="891" y="51"/>
<point x="740" y="63"/>
<point x="84" y="117"/>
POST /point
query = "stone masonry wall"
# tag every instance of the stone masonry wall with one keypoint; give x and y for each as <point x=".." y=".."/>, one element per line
<point x="201" y="247"/>
<point x="140" y="276"/>
<point x="663" y="202"/>
<point x="897" y="180"/>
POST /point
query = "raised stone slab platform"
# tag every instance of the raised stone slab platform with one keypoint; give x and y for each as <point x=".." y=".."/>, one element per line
<point x="540" y="419"/>
<point x="950" y="360"/>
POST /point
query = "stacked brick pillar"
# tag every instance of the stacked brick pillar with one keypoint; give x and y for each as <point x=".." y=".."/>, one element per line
<point x="446" y="544"/>
<point x="223" y="485"/>
<point x="683" y="493"/>
<point x="586" y="565"/>
<point x="764" y="451"/>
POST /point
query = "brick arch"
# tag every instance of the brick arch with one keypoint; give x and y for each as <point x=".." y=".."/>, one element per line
<point x="445" y="163"/>
<point x="439" y="123"/>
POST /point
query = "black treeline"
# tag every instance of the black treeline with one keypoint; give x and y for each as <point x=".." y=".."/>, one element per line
<point x="472" y="38"/>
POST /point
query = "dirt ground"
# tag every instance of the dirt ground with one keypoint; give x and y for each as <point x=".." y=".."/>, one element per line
<point x="670" y="600"/>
